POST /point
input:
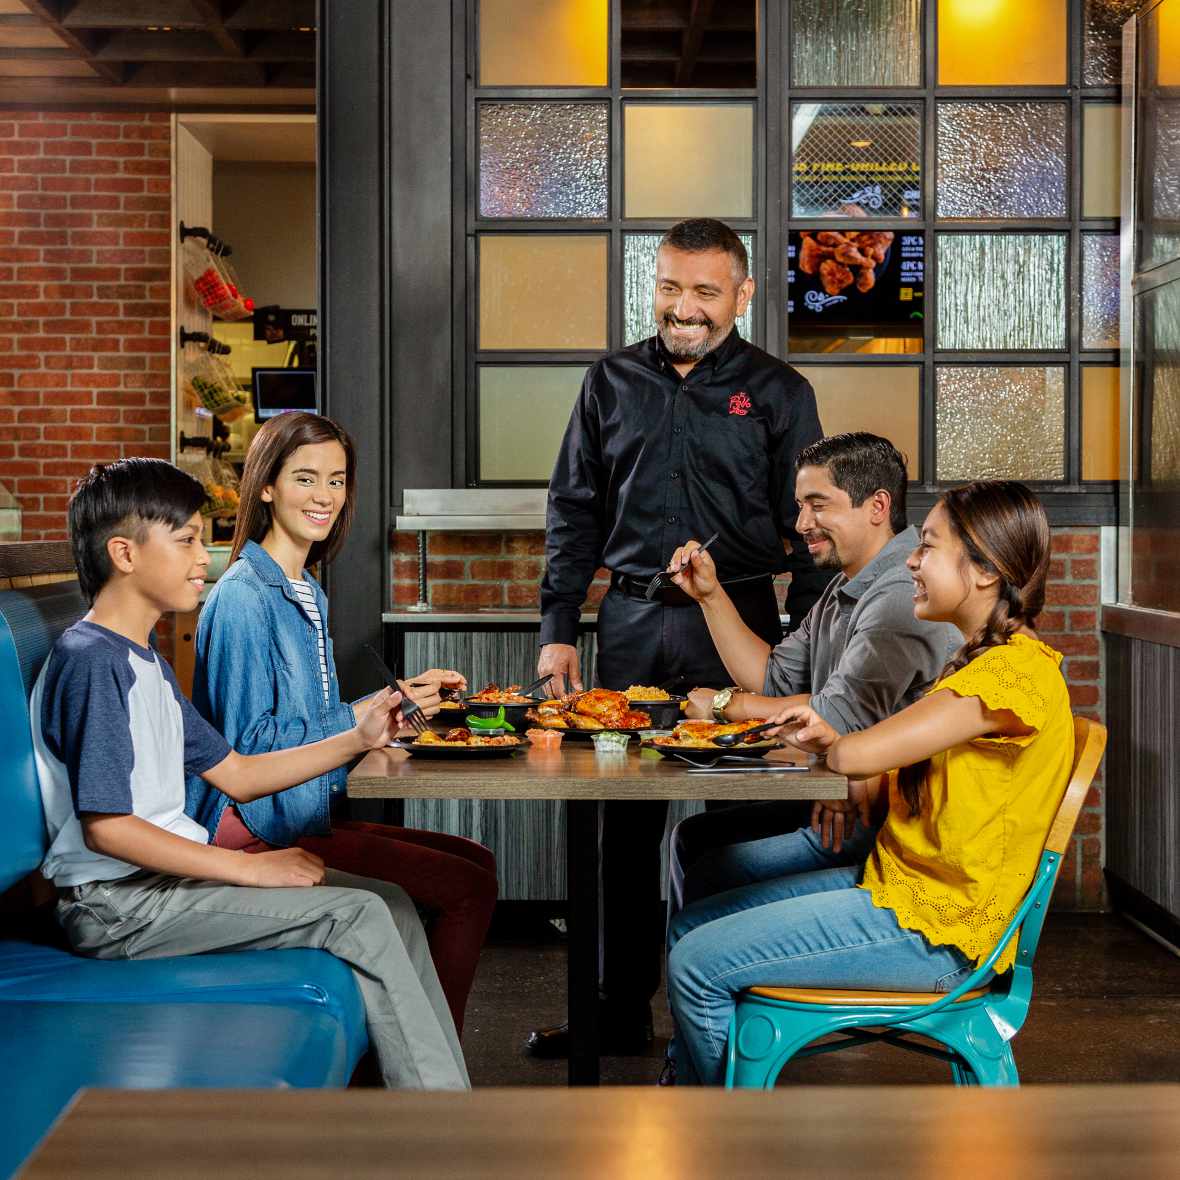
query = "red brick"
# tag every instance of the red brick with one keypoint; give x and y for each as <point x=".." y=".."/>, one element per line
<point x="120" y="148"/>
<point x="525" y="544"/>
<point x="1083" y="569"/>
<point x="1072" y="645"/>
<point x="69" y="147"/>
<point x="518" y="570"/>
<point x="404" y="543"/>
<point x="518" y="594"/>
<point x="1083" y="620"/>
<point x="72" y="432"/>
<point x="405" y="593"/>
<point x="39" y="130"/>
<point x="1082" y="695"/>
<point x="1081" y="669"/>
<point x="464" y="594"/>
<point x="1057" y="569"/>
<point x="1064" y="594"/>
<point x="465" y="544"/>
<point x="1075" y="542"/>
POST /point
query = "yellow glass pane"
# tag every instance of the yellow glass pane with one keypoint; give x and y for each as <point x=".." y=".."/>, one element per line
<point x="882" y="399"/>
<point x="542" y="291"/>
<point x="1102" y="145"/>
<point x="688" y="160"/>
<point x="1100" y="422"/>
<point x="543" y="42"/>
<point x="1167" y="20"/>
<point x="1002" y="42"/>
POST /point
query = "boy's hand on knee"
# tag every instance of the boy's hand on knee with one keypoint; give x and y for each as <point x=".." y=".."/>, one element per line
<point x="286" y="868"/>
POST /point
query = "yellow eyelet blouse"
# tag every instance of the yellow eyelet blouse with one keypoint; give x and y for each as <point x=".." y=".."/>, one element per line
<point x="959" y="869"/>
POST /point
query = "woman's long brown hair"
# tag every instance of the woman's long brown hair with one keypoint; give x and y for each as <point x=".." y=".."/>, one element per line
<point x="1005" y="532"/>
<point x="279" y="438"/>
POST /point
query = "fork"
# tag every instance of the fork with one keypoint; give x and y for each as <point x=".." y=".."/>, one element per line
<point x="411" y="711"/>
<point x="723" y="758"/>
<point x="664" y="577"/>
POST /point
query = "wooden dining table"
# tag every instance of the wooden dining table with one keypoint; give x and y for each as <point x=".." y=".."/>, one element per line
<point x="584" y="778"/>
<point x="624" y="1133"/>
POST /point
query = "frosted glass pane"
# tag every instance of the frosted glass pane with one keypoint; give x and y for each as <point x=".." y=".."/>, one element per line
<point x="523" y="412"/>
<point x="1163" y="318"/>
<point x="543" y="159"/>
<point x="1001" y="42"/>
<point x="1100" y="422"/>
<point x="1000" y="422"/>
<point x="1001" y="159"/>
<point x="543" y="42"/>
<point x="1100" y="290"/>
<point x="639" y="285"/>
<point x="1102" y="145"/>
<point x="688" y="160"/>
<point x="856" y="43"/>
<point x="1103" y="51"/>
<point x="853" y="159"/>
<point x="1001" y="291"/>
<point x="542" y="291"/>
<point x="882" y="399"/>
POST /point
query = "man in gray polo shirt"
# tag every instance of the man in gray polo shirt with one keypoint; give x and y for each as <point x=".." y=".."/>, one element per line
<point x="859" y="655"/>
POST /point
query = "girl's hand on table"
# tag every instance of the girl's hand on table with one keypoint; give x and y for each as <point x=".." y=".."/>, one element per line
<point x="805" y="729"/>
<point x="382" y="719"/>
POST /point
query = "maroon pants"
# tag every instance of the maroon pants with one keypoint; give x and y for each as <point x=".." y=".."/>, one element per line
<point x="450" y="876"/>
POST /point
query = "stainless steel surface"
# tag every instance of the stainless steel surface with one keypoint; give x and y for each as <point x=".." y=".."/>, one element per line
<point x="483" y="616"/>
<point x="1140" y="622"/>
<point x="472" y="509"/>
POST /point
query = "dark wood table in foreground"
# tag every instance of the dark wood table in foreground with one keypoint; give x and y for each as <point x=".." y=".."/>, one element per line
<point x="583" y="778"/>
<point x="624" y="1133"/>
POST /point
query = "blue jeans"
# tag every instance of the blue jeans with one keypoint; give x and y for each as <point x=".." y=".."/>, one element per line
<point x="796" y="920"/>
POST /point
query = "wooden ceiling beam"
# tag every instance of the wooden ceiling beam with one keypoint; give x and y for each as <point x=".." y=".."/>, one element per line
<point x="694" y="36"/>
<point x="49" y="14"/>
<point x="272" y="15"/>
<point x="232" y="44"/>
<point x="128" y="14"/>
<point x="671" y="19"/>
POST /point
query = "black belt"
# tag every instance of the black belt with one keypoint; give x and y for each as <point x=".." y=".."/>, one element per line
<point x="636" y="587"/>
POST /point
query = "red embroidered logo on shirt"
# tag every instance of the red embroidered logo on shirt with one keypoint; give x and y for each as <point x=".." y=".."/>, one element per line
<point x="740" y="403"/>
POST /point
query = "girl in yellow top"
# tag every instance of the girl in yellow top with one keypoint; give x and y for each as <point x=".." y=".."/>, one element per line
<point x="984" y="759"/>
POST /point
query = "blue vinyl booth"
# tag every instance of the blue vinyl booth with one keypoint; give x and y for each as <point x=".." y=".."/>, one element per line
<point x="262" y="1018"/>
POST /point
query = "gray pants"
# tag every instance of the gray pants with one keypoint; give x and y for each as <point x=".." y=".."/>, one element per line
<point x="371" y="925"/>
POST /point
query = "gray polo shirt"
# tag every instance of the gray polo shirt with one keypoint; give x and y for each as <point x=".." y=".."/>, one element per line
<point x="860" y="652"/>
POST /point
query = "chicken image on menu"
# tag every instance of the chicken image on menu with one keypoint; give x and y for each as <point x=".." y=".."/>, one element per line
<point x="848" y="277"/>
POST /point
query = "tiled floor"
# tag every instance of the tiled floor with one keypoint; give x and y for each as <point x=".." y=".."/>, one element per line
<point x="1106" y="1009"/>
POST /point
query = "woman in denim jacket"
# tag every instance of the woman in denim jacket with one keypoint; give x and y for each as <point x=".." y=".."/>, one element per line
<point x="265" y="678"/>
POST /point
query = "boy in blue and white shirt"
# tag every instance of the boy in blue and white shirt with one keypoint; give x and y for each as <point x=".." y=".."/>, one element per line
<point x="113" y="738"/>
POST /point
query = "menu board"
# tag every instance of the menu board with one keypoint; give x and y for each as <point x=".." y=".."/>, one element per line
<point x="873" y="278"/>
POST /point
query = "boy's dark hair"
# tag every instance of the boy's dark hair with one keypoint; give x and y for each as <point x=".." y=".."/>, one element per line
<point x="860" y="464"/>
<point x="123" y="498"/>
<point x="698" y="234"/>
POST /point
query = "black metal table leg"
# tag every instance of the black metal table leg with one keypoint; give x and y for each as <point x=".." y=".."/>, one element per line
<point x="583" y="896"/>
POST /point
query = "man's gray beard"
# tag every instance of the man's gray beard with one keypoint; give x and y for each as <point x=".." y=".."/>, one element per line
<point x="680" y="352"/>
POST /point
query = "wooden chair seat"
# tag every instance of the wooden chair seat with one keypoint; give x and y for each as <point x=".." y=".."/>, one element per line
<point x="857" y="999"/>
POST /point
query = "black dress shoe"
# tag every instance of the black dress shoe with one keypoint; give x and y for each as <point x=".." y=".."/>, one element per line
<point x="667" y="1074"/>
<point x="618" y="1037"/>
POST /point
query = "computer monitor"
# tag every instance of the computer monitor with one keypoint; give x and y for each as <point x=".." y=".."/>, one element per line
<point x="279" y="391"/>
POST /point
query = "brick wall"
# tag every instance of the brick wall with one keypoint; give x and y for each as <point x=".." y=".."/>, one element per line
<point x="504" y="569"/>
<point x="84" y="300"/>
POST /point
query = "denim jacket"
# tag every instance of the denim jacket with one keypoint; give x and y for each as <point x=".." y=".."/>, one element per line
<point x="257" y="680"/>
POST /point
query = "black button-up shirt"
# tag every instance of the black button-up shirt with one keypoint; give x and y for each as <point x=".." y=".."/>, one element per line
<point x="651" y="459"/>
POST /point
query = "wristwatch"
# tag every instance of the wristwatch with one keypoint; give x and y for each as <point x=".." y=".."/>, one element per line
<point x="721" y="701"/>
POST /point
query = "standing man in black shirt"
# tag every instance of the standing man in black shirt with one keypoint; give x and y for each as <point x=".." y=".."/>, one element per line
<point x="689" y="433"/>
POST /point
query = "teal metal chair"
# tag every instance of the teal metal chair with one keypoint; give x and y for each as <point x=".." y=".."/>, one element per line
<point x="972" y="1026"/>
